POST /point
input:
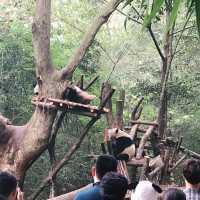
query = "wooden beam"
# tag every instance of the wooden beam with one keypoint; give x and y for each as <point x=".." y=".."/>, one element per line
<point x="178" y="163"/>
<point x="105" y="89"/>
<point x="119" y="110"/>
<point x="135" y="109"/>
<point x="143" y="141"/>
<point x="144" y="123"/>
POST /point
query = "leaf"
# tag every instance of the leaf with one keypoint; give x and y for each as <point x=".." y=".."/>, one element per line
<point x="173" y="14"/>
<point x="197" y="9"/>
<point x="155" y="9"/>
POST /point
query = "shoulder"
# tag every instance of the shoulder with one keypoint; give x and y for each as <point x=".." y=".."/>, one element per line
<point x="89" y="194"/>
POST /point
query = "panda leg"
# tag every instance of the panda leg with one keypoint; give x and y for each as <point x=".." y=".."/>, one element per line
<point x="124" y="157"/>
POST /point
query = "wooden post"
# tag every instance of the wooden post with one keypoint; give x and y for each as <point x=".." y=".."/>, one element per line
<point x="143" y="142"/>
<point x="119" y="110"/>
<point x="106" y="88"/>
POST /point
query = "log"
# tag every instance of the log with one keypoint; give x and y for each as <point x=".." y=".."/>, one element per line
<point x="143" y="141"/>
<point x="44" y="105"/>
<point x="145" y="169"/>
<point x="119" y="110"/>
<point x="170" y="142"/>
<point x="73" y="107"/>
<point x="135" y="109"/>
<point x="106" y="88"/>
<point x="133" y="132"/>
<point x="142" y="130"/>
<point x="165" y="169"/>
<point x="155" y="144"/>
<point x="138" y="114"/>
<point x="156" y="164"/>
<point x="144" y="123"/>
<point x="178" y="163"/>
<point x="176" y="150"/>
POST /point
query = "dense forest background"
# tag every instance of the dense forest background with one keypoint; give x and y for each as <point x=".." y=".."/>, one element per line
<point x="123" y="53"/>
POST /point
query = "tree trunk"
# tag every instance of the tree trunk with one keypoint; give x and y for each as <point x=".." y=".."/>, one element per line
<point x="166" y="65"/>
<point x="20" y="146"/>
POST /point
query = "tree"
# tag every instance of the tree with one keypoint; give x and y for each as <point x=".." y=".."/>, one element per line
<point x="22" y="145"/>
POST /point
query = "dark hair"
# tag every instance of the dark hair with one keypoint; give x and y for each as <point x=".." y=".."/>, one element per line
<point x="113" y="186"/>
<point x="191" y="171"/>
<point x="174" y="194"/>
<point x="104" y="164"/>
<point x="8" y="184"/>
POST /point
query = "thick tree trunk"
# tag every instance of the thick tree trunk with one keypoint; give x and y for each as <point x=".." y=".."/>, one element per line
<point x="20" y="146"/>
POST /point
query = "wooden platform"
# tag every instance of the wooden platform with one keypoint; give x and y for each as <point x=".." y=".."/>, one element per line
<point x="73" y="107"/>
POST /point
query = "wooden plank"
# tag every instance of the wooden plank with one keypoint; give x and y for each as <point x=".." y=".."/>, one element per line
<point x="73" y="107"/>
<point x="74" y="104"/>
<point x="144" y="123"/>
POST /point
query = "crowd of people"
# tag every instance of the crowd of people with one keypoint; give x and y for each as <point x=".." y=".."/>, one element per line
<point x="111" y="185"/>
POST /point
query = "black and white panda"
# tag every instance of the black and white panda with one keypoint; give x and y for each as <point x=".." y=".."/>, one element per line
<point x="122" y="144"/>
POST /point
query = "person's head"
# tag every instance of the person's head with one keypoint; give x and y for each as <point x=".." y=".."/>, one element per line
<point x="146" y="190"/>
<point x="174" y="194"/>
<point x="104" y="164"/>
<point x="191" y="171"/>
<point x="113" y="186"/>
<point x="8" y="186"/>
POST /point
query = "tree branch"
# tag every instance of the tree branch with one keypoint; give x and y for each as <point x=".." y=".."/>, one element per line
<point x="91" y="83"/>
<point x="88" y="38"/>
<point x="41" y="37"/>
<point x="156" y="43"/>
<point x="143" y="142"/>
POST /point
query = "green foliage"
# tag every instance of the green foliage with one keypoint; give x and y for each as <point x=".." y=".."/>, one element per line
<point x="197" y="10"/>
<point x="173" y="15"/>
<point x="17" y="73"/>
<point x="156" y="6"/>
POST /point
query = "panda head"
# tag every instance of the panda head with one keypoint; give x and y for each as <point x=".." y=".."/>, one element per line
<point x="36" y="90"/>
<point x="146" y="190"/>
<point x="115" y="133"/>
<point x="37" y="86"/>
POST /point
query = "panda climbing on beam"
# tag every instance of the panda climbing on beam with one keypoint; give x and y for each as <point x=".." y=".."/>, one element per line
<point x="122" y="144"/>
